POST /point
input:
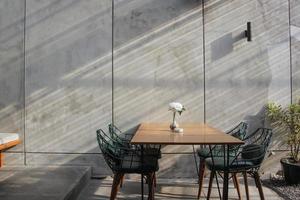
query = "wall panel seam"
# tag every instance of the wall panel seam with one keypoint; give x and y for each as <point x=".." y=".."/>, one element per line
<point x="290" y="46"/>
<point x="204" y="63"/>
<point x="112" y="61"/>
<point x="24" y="78"/>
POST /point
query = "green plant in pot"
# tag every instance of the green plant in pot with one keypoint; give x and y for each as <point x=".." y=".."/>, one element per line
<point x="288" y="120"/>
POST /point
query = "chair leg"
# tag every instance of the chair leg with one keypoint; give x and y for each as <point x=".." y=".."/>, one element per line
<point x="201" y="176"/>
<point x="256" y="184"/>
<point x="211" y="178"/>
<point x="259" y="186"/>
<point x="236" y="184"/>
<point x="246" y="185"/>
<point x="122" y="181"/>
<point x="115" y="186"/>
<point x="151" y="180"/>
<point x="234" y="181"/>
<point x="154" y="179"/>
<point x="1" y="159"/>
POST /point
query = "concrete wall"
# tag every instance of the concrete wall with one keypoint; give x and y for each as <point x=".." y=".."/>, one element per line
<point x="60" y="82"/>
<point x="295" y="47"/>
<point x="65" y="80"/>
<point x="12" y="73"/>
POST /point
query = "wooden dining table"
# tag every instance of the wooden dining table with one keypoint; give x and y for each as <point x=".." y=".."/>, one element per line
<point x="193" y="134"/>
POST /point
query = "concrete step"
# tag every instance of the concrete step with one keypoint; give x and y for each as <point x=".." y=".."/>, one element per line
<point x="168" y="189"/>
<point x="43" y="182"/>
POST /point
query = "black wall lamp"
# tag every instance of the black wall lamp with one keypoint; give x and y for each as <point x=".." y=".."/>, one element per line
<point x="248" y="33"/>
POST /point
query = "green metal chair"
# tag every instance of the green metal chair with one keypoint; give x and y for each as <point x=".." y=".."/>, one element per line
<point x="115" y="133"/>
<point x="123" y="161"/>
<point x="238" y="131"/>
<point x="246" y="160"/>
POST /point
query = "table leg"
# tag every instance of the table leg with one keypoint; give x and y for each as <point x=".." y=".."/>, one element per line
<point x="213" y="169"/>
<point x="226" y="172"/>
<point x="142" y="175"/>
<point x="195" y="159"/>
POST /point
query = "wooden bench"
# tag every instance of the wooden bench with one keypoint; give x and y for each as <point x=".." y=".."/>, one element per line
<point x="7" y="140"/>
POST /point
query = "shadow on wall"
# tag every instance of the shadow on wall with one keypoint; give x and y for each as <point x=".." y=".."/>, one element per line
<point x="260" y="120"/>
<point x="158" y="59"/>
<point x="11" y="62"/>
<point x="224" y="45"/>
<point x="59" y="40"/>
<point x="68" y="74"/>
<point x="238" y="82"/>
<point x="246" y="75"/>
<point x="161" y="65"/>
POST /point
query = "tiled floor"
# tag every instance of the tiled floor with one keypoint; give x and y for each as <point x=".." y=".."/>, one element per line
<point x="167" y="189"/>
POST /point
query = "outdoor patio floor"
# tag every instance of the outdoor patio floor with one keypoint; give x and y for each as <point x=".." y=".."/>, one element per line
<point x="74" y="183"/>
<point x="178" y="189"/>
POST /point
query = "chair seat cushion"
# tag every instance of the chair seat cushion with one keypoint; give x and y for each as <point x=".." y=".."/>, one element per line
<point x="152" y="152"/>
<point x="218" y="164"/>
<point x="8" y="137"/>
<point x="253" y="152"/>
<point x="133" y="164"/>
<point x="204" y="153"/>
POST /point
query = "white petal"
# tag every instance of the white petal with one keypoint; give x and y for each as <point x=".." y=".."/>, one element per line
<point x="175" y="106"/>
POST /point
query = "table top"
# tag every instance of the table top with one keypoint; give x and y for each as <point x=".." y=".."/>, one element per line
<point x="193" y="134"/>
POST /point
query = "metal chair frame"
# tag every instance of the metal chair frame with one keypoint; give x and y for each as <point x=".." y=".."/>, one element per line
<point x="238" y="131"/>
<point x="115" y="155"/>
<point x="239" y="163"/>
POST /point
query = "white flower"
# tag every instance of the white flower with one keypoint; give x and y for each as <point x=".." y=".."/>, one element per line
<point x="176" y="107"/>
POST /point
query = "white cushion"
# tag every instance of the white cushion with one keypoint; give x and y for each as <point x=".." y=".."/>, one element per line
<point x="8" y="137"/>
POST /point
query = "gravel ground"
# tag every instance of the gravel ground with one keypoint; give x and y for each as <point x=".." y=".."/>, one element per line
<point x="289" y="192"/>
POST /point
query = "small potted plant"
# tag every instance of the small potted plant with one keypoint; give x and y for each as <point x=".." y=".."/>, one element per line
<point x="288" y="119"/>
<point x="175" y="107"/>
